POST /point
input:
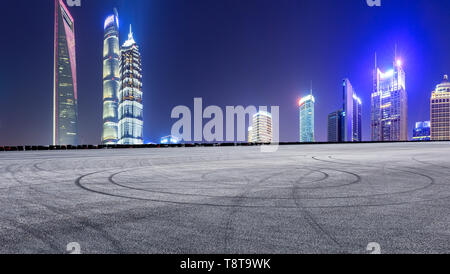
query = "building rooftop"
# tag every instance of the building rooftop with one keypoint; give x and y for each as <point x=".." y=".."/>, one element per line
<point x="130" y="40"/>
<point x="444" y="86"/>
<point x="307" y="98"/>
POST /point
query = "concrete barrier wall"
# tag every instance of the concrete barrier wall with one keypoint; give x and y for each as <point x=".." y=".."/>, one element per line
<point x="84" y="147"/>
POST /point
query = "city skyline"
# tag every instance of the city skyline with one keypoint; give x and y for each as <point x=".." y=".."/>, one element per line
<point x="122" y="87"/>
<point x="159" y="117"/>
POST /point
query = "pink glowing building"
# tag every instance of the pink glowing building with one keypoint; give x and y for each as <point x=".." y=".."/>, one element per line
<point x="65" y="99"/>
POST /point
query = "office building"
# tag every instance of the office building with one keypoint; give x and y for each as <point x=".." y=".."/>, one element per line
<point x="389" y="105"/>
<point x="65" y="97"/>
<point x="111" y="79"/>
<point x="335" y="121"/>
<point x="261" y="129"/>
<point x="131" y="120"/>
<point x="351" y="114"/>
<point x="306" y="105"/>
<point x="250" y="135"/>
<point x="440" y="111"/>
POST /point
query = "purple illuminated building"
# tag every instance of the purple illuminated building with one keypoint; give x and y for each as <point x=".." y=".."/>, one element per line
<point x="389" y="117"/>
<point x="65" y="101"/>
<point x="351" y="115"/>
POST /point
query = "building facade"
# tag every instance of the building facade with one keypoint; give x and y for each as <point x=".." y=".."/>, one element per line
<point x="111" y="79"/>
<point x="65" y="97"/>
<point x="250" y="134"/>
<point x="261" y="129"/>
<point x="440" y="111"/>
<point x="422" y="131"/>
<point x="306" y="105"/>
<point x="351" y="114"/>
<point x="131" y="119"/>
<point x="389" y="105"/>
<point x="335" y="121"/>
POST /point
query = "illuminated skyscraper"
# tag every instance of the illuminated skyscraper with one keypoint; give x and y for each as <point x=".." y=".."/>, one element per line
<point x="111" y="79"/>
<point x="440" y="111"/>
<point x="261" y="129"/>
<point x="131" y="120"/>
<point x="65" y="98"/>
<point x="306" y="105"/>
<point x="351" y="115"/>
<point x="389" y="117"/>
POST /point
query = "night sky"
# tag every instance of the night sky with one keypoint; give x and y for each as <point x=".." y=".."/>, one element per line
<point x="229" y="52"/>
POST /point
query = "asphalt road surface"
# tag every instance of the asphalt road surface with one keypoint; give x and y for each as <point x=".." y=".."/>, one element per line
<point x="300" y="199"/>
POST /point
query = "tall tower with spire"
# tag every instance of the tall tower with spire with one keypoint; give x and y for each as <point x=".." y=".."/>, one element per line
<point x="389" y="104"/>
<point x="306" y="105"/>
<point x="130" y="111"/>
<point x="111" y="79"/>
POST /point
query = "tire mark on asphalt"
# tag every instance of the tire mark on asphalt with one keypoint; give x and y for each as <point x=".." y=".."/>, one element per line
<point x="111" y="180"/>
<point x="46" y="238"/>
<point x="429" y="178"/>
<point x="37" y="234"/>
<point x="98" y="192"/>
<point x="312" y="221"/>
<point x="115" y="243"/>
<point x="429" y="164"/>
<point x="87" y="223"/>
<point x="229" y="231"/>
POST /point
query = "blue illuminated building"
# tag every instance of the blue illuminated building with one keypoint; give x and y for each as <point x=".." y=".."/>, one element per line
<point x="351" y="114"/>
<point x="422" y="131"/>
<point x="306" y="105"/>
<point x="168" y="140"/>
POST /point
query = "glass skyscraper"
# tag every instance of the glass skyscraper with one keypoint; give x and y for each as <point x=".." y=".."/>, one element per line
<point x="306" y="105"/>
<point x="351" y="115"/>
<point x="111" y="79"/>
<point x="131" y="119"/>
<point x="65" y="98"/>
<point x="440" y="111"/>
<point x="389" y="105"/>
